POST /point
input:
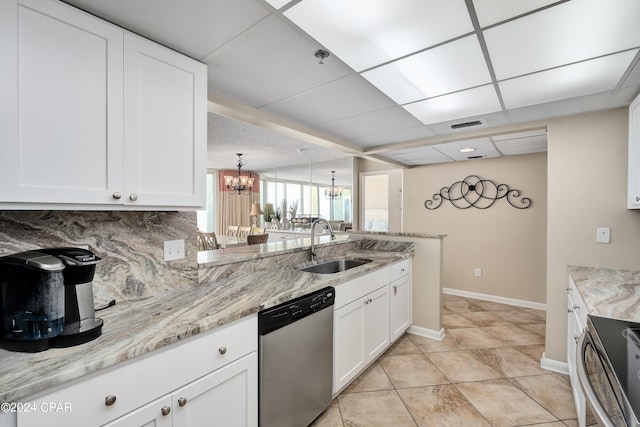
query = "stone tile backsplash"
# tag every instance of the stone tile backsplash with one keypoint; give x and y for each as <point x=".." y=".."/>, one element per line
<point x="130" y="244"/>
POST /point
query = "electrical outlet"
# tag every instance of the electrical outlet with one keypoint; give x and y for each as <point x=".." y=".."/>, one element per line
<point x="478" y="272"/>
<point x="603" y="235"/>
<point x="173" y="249"/>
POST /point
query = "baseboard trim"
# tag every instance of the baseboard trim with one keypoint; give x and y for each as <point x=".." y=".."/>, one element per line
<point x="427" y="333"/>
<point x="554" y="365"/>
<point x="493" y="298"/>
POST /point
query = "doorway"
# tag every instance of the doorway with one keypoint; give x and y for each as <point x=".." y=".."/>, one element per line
<point x="381" y="201"/>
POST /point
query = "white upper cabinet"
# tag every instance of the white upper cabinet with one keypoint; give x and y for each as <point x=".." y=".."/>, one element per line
<point x="633" y="186"/>
<point x="94" y="117"/>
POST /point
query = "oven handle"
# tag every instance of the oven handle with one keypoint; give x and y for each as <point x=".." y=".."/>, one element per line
<point x="585" y="384"/>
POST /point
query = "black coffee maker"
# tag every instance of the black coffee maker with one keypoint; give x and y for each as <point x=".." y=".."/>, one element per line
<point x="32" y="298"/>
<point x="80" y="322"/>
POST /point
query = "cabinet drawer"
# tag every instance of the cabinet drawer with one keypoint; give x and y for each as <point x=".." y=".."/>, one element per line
<point x="360" y="286"/>
<point x="144" y="379"/>
<point x="399" y="269"/>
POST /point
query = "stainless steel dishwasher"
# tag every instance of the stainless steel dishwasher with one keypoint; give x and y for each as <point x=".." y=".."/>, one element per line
<point x="296" y="360"/>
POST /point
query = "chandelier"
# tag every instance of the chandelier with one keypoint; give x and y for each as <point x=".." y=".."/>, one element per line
<point x="240" y="183"/>
<point x="333" y="192"/>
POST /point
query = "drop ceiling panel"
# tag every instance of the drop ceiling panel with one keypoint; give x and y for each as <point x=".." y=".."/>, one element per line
<point x="493" y="11"/>
<point x="447" y="68"/>
<point x="340" y="99"/>
<point x="483" y="147"/>
<point x="366" y="33"/>
<point x="381" y="121"/>
<point x="418" y="156"/>
<point x="472" y="102"/>
<point x="624" y="97"/>
<point x="522" y="145"/>
<point x="283" y="72"/>
<point x="195" y="28"/>
<point x="565" y="107"/>
<point x="583" y="78"/>
<point x="410" y="134"/>
<point x="566" y="33"/>
<point x="277" y="4"/>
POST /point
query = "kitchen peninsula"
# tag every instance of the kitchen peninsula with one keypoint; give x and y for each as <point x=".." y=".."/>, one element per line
<point x="233" y="285"/>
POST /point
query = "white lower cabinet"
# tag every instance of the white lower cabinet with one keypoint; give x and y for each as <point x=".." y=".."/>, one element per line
<point x="576" y="324"/>
<point x="400" y="314"/>
<point x="209" y="380"/>
<point x="223" y="398"/>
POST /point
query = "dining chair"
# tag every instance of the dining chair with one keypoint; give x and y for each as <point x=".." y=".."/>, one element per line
<point x="232" y="230"/>
<point x="256" y="239"/>
<point x="210" y="241"/>
<point x="243" y="232"/>
<point x="202" y="242"/>
<point x="257" y="230"/>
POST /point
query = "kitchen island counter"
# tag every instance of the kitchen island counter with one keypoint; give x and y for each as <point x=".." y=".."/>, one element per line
<point x="135" y="327"/>
<point x="609" y="292"/>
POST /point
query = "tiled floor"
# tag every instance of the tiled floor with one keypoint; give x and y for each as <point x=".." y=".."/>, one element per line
<point x="486" y="372"/>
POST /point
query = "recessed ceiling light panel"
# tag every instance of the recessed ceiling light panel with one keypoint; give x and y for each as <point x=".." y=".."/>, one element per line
<point x="366" y="33"/>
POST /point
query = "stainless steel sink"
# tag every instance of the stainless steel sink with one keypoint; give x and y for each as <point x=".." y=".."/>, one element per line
<point x="335" y="266"/>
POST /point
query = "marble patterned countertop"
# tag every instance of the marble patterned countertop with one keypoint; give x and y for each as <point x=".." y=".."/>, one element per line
<point x="133" y="328"/>
<point x="609" y="292"/>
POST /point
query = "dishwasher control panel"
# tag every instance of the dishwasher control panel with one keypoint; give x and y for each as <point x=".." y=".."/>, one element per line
<point x="281" y="315"/>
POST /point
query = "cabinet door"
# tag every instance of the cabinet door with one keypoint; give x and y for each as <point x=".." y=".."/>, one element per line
<point x="61" y="108"/>
<point x="633" y="184"/>
<point x="348" y="343"/>
<point x="165" y="126"/>
<point x="399" y="306"/>
<point x="376" y="323"/>
<point x="156" y="414"/>
<point x="227" y="397"/>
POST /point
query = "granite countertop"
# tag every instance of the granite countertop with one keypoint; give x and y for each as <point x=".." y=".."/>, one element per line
<point x="388" y="233"/>
<point x="136" y="327"/>
<point x="609" y="292"/>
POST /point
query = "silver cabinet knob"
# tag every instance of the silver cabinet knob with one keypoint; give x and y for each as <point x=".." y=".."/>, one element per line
<point x="222" y="350"/>
<point x="133" y="197"/>
<point x="182" y="401"/>
<point x="569" y="310"/>
<point x="110" y="400"/>
<point x="576" y="307"/>
<point x="166" y="410"/>
<point x="568" y="289"/>
<point x="576" y="338"/>
<point x="117" y="195"/>
<point x="637" y="198"/>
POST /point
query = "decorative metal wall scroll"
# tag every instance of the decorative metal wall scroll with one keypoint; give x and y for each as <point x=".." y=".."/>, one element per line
<point x="479" y="193"/>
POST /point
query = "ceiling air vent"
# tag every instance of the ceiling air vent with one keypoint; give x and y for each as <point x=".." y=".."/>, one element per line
<point x="467" y="124"/>
<point x="474" y="157"/>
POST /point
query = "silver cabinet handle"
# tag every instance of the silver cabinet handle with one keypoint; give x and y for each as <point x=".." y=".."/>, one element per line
<point x="402" y="270"/>
<point x="569" y="310"/>
<point x="110" y="400"/>
<point x="182" y="401"/>
<point x="117" y="195"/>
<point x="133" y="197"/>
<point x="637" y="198"/>
<point x="166" y="410"/>
<point x="366" y="301"/>
<point x="576" y="338"/>
<point x="222" y="350"/>
<point x="568" y="289"/>
<point x="395" y="290"/>
<point x="576" y="307"/>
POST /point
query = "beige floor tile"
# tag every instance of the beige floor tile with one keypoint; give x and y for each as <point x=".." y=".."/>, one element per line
<point x="459" y="304"/>
<point x="508" y="362"/>
<point x="330" y="417"/>
<point x="571" y="423"/>
<point x="404" y="345"/>
<point x="552" y="391"/>
<point x="493" y="306"/>
<point x="485" y="318"/>
<point x="472" y="338"/>
<point x="537" y="328"/>
<point x="533" y="351"/>
<point x="427" y="345"/>
<point x="411" y="370"/>
<point x="514" y="335"/>
<point x="456" y="320"/>
<point x="374" y="409"/>
<point x="462" y="366"/>
<point x="523" y="316"/>
<point x="373" y="379"/>
<point x="503" y="404"/>
<point x="541" y="315"/>
<point x="441" y="406"/>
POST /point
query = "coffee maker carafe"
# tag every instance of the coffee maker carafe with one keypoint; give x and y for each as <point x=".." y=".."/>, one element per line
<point x="32" y="305"/>
<point x="80" y="322"/>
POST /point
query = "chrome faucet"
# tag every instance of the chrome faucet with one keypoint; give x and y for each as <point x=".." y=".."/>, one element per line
<point x="312" y="253"/>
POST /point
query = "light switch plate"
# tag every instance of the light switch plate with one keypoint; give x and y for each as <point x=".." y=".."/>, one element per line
<point x="173" y="249"/>
<point x="603" y="235"/>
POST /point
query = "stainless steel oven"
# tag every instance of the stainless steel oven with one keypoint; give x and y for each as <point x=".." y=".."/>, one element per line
<point x="608" y="367"/>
